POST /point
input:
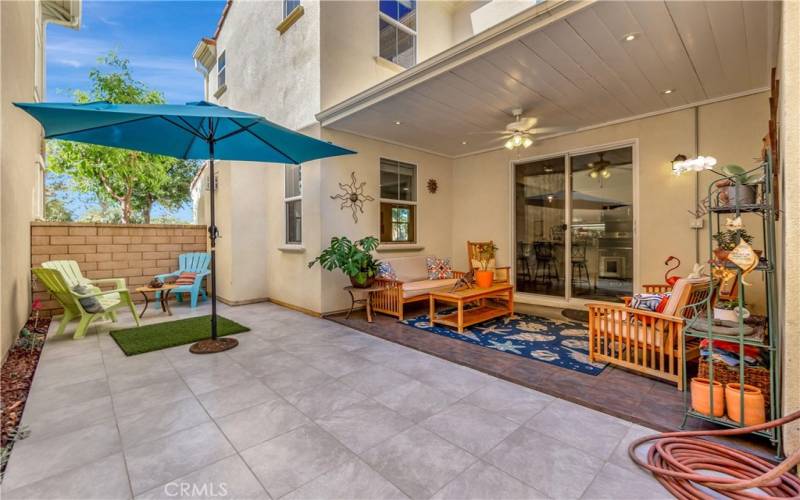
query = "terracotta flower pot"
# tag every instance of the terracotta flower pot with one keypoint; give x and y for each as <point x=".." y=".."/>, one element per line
<point x="484" y="279"/>
<point x="754" y="412"/>
<point x="701" y="394"/>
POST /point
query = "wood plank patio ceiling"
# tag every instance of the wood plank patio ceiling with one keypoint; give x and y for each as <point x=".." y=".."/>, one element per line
<point x="579" y="72"/>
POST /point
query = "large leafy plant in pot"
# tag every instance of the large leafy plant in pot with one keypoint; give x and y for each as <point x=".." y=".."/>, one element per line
<point x="352" y="258"/>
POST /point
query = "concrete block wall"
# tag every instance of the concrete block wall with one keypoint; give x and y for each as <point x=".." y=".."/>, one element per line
<point x="136" y="252"/>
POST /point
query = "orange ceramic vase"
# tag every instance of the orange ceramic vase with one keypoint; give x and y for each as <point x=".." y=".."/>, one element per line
<point x="484" y="279"/>
<point x="754" y="412"/>
<point x="702" y="394"/>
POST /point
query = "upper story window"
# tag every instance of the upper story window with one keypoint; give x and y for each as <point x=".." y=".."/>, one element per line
<point x="293" y="201"/>
<point x="398" y="202"/>
<point x="397" y="31"/>
<point x="289" y="6"/>
<point x="221" y="70"/>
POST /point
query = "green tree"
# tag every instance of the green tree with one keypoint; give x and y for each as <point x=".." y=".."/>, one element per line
<point x="133" y="181"/>
<point x="55" y="205"/>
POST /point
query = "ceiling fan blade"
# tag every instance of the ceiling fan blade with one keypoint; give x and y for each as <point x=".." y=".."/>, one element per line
<point x="550" y="130"/>
<point x="491" y="132"/>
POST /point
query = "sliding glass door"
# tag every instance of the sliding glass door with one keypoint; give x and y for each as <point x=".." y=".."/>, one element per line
<point x="573" y="223"/>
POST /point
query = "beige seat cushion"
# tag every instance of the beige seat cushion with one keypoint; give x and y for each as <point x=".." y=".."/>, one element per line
<point x="421" y="287"/>
<point x="409" y="269"/>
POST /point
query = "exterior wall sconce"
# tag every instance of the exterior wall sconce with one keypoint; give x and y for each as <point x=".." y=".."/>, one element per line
<point x="681" y="164"/>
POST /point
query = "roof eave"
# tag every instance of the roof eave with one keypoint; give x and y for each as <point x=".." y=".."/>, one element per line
<point x="525" y="22"/>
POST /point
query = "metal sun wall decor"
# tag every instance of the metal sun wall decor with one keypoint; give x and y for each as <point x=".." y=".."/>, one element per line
<point x="353" y="196"/>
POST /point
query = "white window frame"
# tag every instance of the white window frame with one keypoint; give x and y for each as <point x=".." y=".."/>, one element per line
<point x="286" y="201"/>
<point x="224" y="83"/>
<point x="391" y="201"/>
<point x="402" y="27"/>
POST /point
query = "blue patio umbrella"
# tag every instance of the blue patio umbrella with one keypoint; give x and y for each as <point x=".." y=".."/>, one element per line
<point x="194" y="131"/>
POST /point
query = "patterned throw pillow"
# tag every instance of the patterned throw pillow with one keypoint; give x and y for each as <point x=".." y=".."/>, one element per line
<point x="439" y="269"/>
<point x="386" y="271"/>
<point x="89" y="304"/>
<point x="654" y="302"/>
<point x="186" y="278"/>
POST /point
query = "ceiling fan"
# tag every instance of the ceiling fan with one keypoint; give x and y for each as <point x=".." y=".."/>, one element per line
<point x="601" y="168"/>
<point x="521" y="132"/>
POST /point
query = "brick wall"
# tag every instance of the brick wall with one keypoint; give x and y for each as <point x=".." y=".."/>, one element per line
<point x="136" y="252"/>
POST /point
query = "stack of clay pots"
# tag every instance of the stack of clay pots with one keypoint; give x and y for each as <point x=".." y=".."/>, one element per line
<point x="728" y="398"/>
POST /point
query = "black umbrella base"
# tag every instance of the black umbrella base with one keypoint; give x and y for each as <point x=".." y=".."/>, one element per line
<point x="210" y="346"/>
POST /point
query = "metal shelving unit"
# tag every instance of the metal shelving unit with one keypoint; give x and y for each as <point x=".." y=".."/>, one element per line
<point x="696" y="330"/>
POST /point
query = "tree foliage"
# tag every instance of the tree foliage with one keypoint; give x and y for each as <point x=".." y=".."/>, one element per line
<point x="128" y="182"/>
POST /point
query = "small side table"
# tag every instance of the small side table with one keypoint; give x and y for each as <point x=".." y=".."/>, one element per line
<point x="364" y="297"/>
<point x="164" y="289"/>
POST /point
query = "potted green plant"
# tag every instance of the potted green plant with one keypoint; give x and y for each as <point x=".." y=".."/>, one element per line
<point x="484" y="253"/>
<point x="739" y="187"/>
<point x="727" y="241"/>
<point x="729" y="310"/>
<point x="352" y="258"/>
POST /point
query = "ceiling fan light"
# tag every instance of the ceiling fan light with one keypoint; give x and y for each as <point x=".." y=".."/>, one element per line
<point x="509" y="144"/>
<point x="527" y="142"/>
<point x="593" y="174"/>
<point x="606" y="173"/>
<point x="517" y="140"/>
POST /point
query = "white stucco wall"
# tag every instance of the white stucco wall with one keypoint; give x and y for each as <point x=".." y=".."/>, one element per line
<point x="434" y="211"/>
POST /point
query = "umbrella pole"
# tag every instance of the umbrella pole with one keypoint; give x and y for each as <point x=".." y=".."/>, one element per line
<point x="214" y="344"/>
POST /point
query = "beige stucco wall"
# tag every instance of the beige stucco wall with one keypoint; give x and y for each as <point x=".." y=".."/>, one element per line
<point x="19" y="151"/>
<point x="350" y="45"/>
<point x="482" y="188"/>
<point x="434" y="211"/>
<point x="790" y="149"/>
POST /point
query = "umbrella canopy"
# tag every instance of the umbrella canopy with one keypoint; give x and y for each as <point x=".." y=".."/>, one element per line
<point x="194" y="131"/>
<point x="181" y="131"/>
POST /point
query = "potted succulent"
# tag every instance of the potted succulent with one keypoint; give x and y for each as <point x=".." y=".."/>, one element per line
<point x="484" y="253"/>
<point x="738" y="188"/>
<point x="729" y="310"/>
<point x="352" y="258"/>
<point x="727" y="241"/>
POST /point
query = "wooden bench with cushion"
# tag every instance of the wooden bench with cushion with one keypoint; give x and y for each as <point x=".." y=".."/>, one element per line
<point x="645" y="341"/>
<point x="412" y="285"/>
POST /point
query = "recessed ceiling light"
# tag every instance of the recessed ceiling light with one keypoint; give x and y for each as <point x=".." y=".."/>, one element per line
<point x="630" y="37"/>
<point x="397" y="123"/>
<point x="464" y="143"/>
<point x="668" y="91"/>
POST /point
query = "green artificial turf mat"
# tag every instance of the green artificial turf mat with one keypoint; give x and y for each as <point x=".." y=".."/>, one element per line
<point x="172" y="333"/>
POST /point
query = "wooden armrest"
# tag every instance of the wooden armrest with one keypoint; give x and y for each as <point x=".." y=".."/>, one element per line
<point x="636" y="313"/>
<point x="97" y="294"/>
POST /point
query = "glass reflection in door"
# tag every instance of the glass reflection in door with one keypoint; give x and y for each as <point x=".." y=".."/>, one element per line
<point x="601" y="226"/>
<point x="539" y="226"/>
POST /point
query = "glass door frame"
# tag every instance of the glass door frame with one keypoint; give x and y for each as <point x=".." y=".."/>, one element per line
<point x="567" y="299"/>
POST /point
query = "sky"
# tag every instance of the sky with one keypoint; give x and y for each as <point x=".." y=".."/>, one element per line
<point x="157" y="37"/>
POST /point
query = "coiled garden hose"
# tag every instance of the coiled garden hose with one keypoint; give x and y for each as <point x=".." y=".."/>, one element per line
<point x="681" y="461"/>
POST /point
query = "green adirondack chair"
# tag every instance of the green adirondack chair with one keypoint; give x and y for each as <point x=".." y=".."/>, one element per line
<point x="110" y="301"/>
<point x="71" y="272"/>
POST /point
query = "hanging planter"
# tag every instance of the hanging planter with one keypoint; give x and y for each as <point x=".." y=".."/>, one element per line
<point x="754" y="412"/>
<point x="702" y="393"/>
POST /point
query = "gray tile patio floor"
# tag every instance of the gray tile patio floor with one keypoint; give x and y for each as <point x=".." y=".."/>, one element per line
<point x="304" y="408"/>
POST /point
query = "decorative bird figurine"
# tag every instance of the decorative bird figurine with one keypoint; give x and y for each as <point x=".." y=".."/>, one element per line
<point x="670" y="280"/>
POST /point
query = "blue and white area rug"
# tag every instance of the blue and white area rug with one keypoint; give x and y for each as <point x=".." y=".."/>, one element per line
<point x="557" y="342"/>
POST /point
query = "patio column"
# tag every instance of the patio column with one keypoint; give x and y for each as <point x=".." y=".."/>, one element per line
<point x="790" y="158"/>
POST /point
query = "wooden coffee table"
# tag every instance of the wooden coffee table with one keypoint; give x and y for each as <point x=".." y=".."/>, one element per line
<point x="165" y="289"/>
<point x="484" y="312"/>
